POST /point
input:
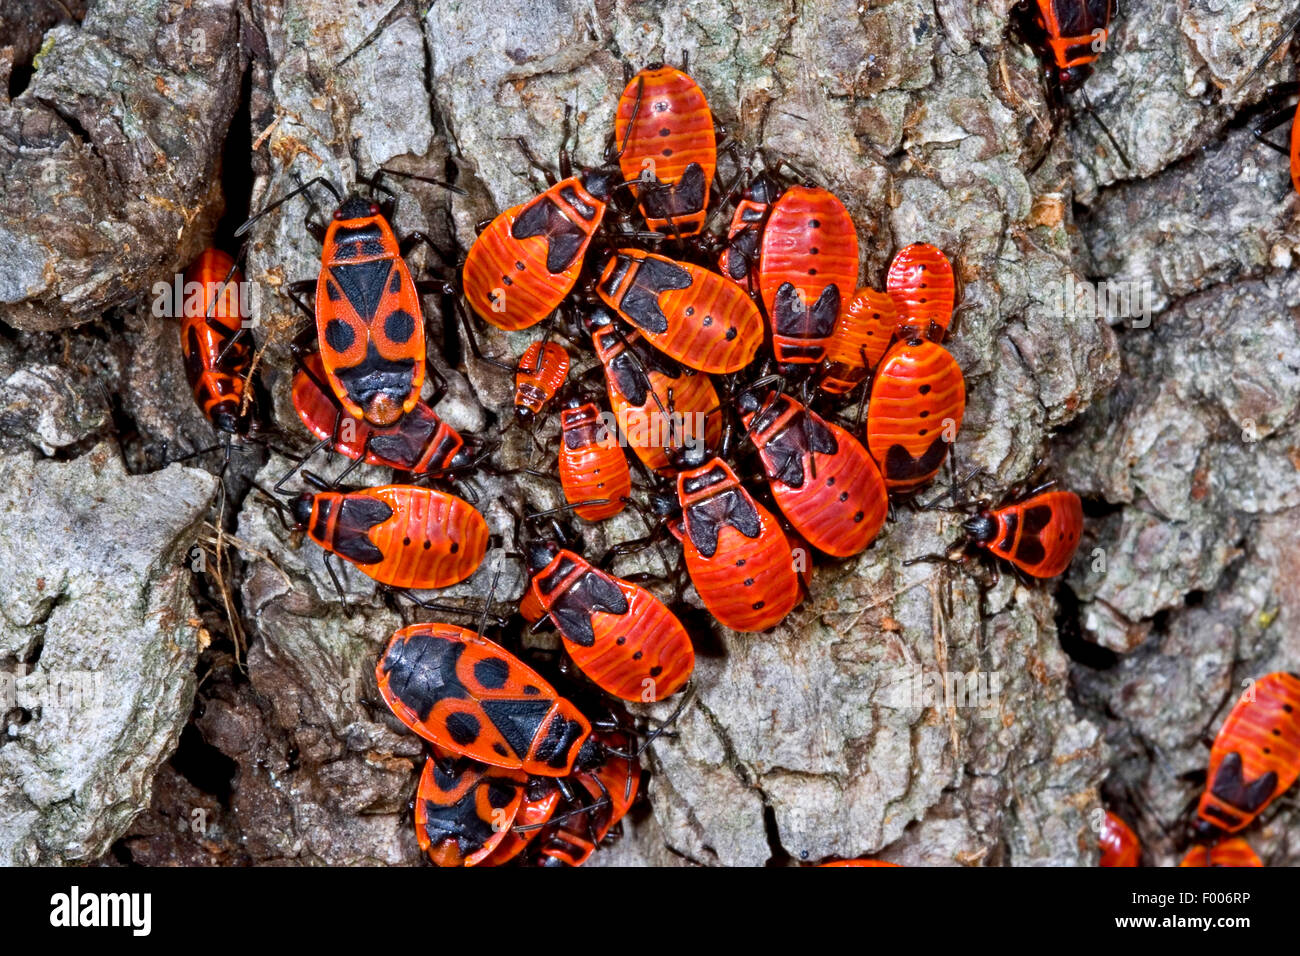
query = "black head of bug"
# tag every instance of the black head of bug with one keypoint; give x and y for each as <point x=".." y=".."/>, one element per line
<point x="601" y="181"/>
<point x="1073" y="77"/>
<point x="981" y="528"/>
<point x="300" y="510"/>
<point x="356" y="207"/>
<point x="539" y="553"/>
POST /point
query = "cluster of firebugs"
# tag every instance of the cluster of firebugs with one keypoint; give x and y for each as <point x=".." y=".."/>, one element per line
<point x="758" y="329"/>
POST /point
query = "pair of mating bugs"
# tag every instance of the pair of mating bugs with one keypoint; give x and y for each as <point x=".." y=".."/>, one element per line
<point x="1254" y="759"/>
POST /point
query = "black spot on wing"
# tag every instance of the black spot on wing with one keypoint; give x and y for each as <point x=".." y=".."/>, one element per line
<point x="399" y="326"/>
<point x="339" y="335"/>
<point x="463" y="728"/>
<point x="492" y="672"/>
<point x="1030" y="550"/>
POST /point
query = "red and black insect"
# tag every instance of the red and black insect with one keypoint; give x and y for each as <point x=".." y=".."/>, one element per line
<point x="541" y="799"/>
<point x="699" y="318"/>
<point x="1255" y="757"/>
<point x="823" y="480"/>
<point x="643" y="384"/>
<point x="524" y="264"/>
<point x="668" y="149"/>
<point x="541" y="371"/>
<point x="862" y="333"/>
<point x="420" y="442"/>
<point x="918" y="398"/>
<point x="1073" y="34"/>
<point x="807" y="272"/>
<point x="464" y="810"/>
<point x="738" y="260"/>
<point x="369" y="324"/>
<point x="618" y="634"/>
<point x="1232" y="852"/>
<point x="1119" y="844"/>
<point x="920" y="281"/>
<point x="403" y="536"/>
<point x="217" y="360"/>
<point x="739" y="558"/>
<point x="473" y="697"/>
<point x="1038" y="535"/>
<point x="593" y="469"/>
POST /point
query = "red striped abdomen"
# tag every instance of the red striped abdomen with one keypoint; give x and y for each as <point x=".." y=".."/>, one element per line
<point x="809" y="246"/>
<point x="695" y="316"/>
<point x="527" y="260"/>
<point x="920" y="281"/>
<point x="917" y="402"/>
<point x="1256" y="755"/>
<point x="592" y="465"/>
<point x="672" y="132"/>
<point x="862" y="334"/>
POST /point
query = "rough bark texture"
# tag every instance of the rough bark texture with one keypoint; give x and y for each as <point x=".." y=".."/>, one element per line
<point x="823" y="738"/>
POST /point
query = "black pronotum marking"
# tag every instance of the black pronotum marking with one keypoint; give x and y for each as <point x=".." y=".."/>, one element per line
<point x="572" y="608"/>
<point x="901" y="466"/>
<point x="1231" y="788"/>
<point x="563" y="239"/>
<point x="357" y="515"/>
<point x="641" y="300"/>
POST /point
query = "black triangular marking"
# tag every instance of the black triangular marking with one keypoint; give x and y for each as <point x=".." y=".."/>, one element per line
<point x="518" y="721"/>
<point x="563" y="238"/>
<point x="363" y="284"/>
<point x="707" y="518"/>
<point x="591" y="593"/>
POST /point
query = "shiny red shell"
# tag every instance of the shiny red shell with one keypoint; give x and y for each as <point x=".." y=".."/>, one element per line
<point x="403" y="536"/>
<point x="369" y="324"/>
<point x="592" y="465"/>
<point x="1119" y="844"/>
<point x="1256" y="754"/>
<point x="521" y="267"/>
<point x="210" y="320"/>
<point x="699" y="318"/>
<point x="665" y="131"/>
<point x="918" y="398"/>
<point x="823" y="480"/>
<point x="476" y="699"/>
<point x="1234" y="852"/>
<point x="619" y="635"/>
<point x="1038" y="535"/>
<point x="541" y="371"/>
<point x="635" y="374"/>
<point x="463" y="815"/>
<point x="420" y="442"/>
<point x="863" y="333"/>
<point x="921" y="283"/>
<point x="738" y="557"/>
<point x="807" y="273"/>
